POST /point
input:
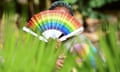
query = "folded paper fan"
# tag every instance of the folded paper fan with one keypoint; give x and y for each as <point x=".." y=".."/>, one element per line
<point x="53" y="24"/>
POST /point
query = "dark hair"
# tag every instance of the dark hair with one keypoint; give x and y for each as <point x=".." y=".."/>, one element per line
<point x="61" y="4"/>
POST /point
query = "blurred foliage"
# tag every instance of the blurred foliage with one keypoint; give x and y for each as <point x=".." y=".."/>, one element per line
<point x="27" y="8"/>
<point x="86" y="6"/>
<point x="91" y="3"/>
<point x="99" y="3"/>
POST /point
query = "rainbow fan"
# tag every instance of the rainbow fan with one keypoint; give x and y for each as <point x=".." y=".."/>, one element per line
<point x="53" y="24"/>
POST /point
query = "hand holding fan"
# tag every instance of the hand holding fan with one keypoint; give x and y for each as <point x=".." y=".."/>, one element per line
<point x="53" y="24"/>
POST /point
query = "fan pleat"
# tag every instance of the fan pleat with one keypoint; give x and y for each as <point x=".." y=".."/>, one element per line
<point x="54" y="21"/>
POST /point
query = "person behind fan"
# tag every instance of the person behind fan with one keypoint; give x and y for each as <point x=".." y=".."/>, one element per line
<point x="77" y="43"/>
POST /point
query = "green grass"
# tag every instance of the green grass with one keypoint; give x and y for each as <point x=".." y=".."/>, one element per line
<point x="22" y="52"/>
<point x="25" y="53"/>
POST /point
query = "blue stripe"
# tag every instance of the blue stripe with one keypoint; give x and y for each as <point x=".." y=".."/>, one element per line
<point x="55" y="25"/>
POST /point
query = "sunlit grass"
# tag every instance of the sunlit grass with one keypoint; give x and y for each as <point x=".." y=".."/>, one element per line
<point x="26" y="53"/>
<point x="22" y="52"/>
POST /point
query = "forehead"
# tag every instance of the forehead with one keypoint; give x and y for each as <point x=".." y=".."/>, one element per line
<point x="62" y="9"/>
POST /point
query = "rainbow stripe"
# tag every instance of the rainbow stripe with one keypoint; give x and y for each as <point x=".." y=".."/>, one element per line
<point x="53" y="19"/>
